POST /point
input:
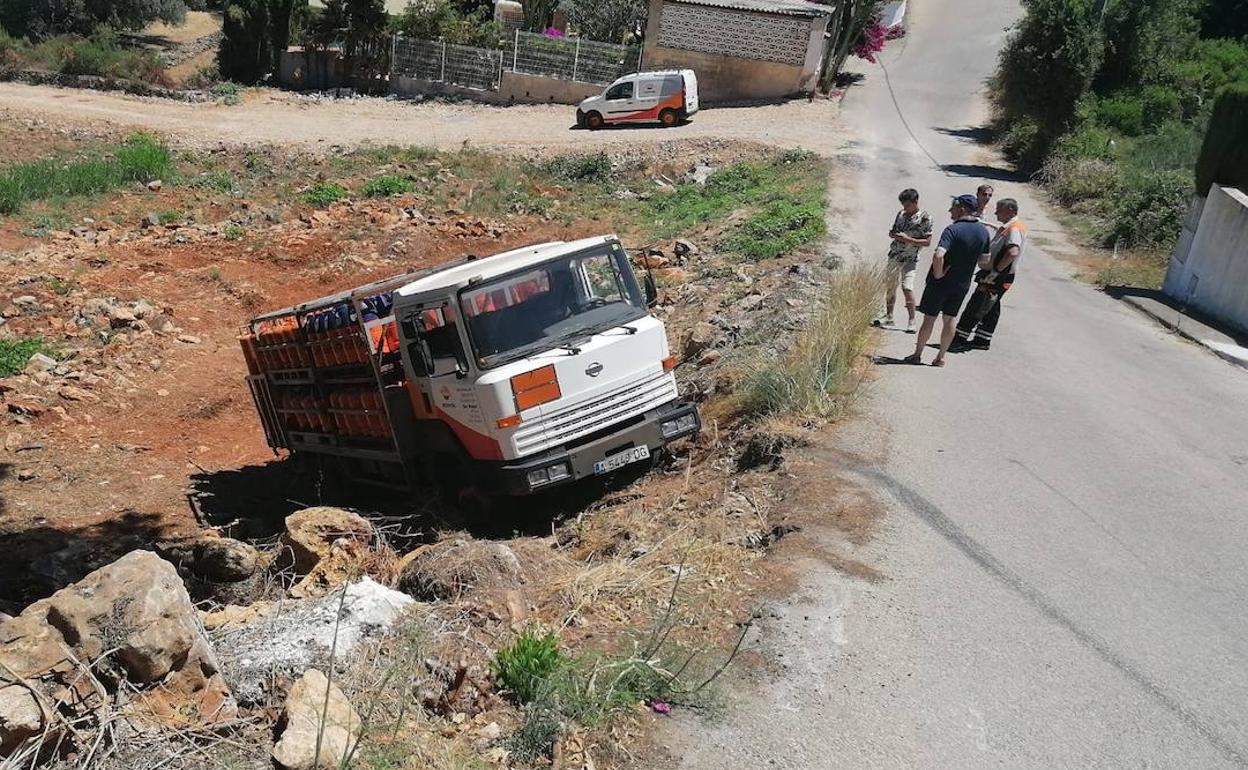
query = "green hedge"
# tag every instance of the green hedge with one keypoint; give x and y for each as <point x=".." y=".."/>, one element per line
<point x="1224" y="154"/>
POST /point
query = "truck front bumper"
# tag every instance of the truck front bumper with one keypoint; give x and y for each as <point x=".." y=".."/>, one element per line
<point x="653" y="430"/>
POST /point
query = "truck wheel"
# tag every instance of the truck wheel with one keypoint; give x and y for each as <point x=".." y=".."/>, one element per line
<point x="669" y="118"/>
<point x="594" y="121"/>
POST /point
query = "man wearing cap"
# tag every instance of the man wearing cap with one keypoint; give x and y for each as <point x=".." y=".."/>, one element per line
<point x="979" y="320"/>
<point x="961" y="246"/>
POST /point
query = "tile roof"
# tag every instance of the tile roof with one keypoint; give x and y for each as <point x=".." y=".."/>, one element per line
<point x="785" y="7"/>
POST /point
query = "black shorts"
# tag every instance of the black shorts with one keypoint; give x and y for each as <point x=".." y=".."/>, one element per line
<point x="943" y="297"/>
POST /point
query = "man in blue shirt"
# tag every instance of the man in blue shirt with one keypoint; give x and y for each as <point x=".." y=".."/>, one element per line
<point x="958" y="252"/>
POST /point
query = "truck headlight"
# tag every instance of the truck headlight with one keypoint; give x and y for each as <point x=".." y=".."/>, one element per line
<point x="683" y="424"/>
<point x="551" y="473"/>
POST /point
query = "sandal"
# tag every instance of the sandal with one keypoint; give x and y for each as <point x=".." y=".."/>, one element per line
<point x="913" y="359"/>
<point x="938" y="362"/>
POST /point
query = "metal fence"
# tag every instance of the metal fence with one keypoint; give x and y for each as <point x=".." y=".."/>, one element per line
<point x="588" y="61"/>
<point x="444" y="62"/>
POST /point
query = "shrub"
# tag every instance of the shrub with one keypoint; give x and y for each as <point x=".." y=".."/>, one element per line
<point x="322" y="194"/>
<point x="388" y="185"/>
<point x="1160" y="104"/>
<point x="580" y="168"/>
<point x="40" y="19"/>
<point x="234" y="232"/>
<point x="14" y="353"/>
<point x="1149" y="209"/>
<point x="1224" y="153"/>
<point x="1124" y="114"/>
<point x="1072" y="180"/>
<point x="523" y="666"/>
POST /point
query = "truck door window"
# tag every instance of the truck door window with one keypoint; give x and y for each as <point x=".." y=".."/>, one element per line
<point x="439" y="330"/>
<point x="620" y="91"/>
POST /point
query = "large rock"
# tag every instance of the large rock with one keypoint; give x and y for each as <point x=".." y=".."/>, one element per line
<point x="311" y="533"/>
<point x="316" y="712"/>
<point x="132" y="624"/>
<point x="454" y="568"/>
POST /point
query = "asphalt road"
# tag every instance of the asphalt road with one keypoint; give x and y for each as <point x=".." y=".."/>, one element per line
<point x="1064" y="537"/>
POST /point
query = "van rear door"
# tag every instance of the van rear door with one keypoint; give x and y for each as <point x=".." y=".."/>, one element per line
<point x="691" y="91"/>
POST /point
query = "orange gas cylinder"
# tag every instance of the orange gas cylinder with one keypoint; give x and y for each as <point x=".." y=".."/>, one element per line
<point x="248" y="343"/>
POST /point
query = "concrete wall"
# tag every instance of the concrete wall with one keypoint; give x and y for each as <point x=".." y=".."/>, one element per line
<point x="516" y="88"/>
<point x="534" y="89"/>
<point x="1213" y="274"/>
<point x="733" y="79"/>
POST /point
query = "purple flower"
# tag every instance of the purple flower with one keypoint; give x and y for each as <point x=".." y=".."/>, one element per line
<point x="661" y="707"/>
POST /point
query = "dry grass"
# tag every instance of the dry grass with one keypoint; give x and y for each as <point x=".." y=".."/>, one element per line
<point x="820" y="373"/>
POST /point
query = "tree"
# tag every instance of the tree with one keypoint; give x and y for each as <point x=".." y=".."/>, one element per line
<point x="845" y="28"/>
<point x="1046" y="67"/>
<point x="39" y="19"/>
<point x="362" y="28"/>
<point x="1144" y="40"/>
<point x="442" y="19"/>
<point x="1224" y="18"/>
<point x="612" y="21"/>
<point x="254" y="33"/>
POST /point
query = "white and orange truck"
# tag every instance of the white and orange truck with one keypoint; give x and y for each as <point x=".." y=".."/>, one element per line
<point x="505" y="375"/>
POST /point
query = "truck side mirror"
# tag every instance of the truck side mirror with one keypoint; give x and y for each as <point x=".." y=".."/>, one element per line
<point x="652" y="290"/>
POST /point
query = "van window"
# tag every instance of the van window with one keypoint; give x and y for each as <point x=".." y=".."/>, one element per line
<point x="620" y="91"/>
<point x="672" y="85"/>
<point x="649" y="87"/>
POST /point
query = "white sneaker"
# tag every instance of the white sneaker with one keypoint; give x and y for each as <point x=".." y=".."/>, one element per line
<point x="889" y="321"/>
<point x="910" y="327"/>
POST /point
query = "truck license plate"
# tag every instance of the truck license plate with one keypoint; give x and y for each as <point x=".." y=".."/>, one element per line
<point x="620" y="459"/>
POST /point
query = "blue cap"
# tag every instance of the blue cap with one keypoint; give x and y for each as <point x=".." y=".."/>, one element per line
<point x="966" y="201"/>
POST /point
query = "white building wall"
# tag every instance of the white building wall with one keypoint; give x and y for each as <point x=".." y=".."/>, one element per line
<point x="1211" y="274"/>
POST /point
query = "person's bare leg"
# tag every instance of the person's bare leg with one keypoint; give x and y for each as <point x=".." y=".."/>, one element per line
<point x="925" y="332"/>
<point x="949" y="328"/>
<point x="890" y="301"/>
<point x="908" y="295"/>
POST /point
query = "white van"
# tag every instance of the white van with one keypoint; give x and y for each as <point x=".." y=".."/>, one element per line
<point x="668" y="97"/>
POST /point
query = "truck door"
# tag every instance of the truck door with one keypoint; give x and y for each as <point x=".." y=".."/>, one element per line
<point x="432" y="353"/>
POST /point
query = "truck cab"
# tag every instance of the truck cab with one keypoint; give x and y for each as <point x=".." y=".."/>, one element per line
<point x="518" y="372"/>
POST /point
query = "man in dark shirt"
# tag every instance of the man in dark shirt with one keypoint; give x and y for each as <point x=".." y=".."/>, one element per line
<point x="958" y="252"/>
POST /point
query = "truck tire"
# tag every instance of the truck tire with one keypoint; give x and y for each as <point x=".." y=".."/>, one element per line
<point x="669" y="118"/>
<point x="594" y="121"/>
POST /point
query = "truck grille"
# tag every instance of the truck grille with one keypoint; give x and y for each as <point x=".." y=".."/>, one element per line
<point x="572" y="422"/>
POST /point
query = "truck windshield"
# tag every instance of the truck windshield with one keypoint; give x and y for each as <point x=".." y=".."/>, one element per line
<point x="552" y="304"/>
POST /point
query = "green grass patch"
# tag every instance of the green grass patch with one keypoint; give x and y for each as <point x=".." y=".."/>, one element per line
<point x="215" y="181"/>
<point x="141" y="158"/>
<point x="782" y="226"/>
<point x="388" y="185"/>
<point x="234" y="232"/>
<point x="322" y="194"/>
<point x="14" y="353"/>
<point x="782" y="200"/>
<point x="102" y="54"/>
<point x="527" y="662"/>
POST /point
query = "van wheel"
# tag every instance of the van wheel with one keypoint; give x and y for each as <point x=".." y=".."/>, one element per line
<point x="594" y="121"/>
<point x="580" y="119"/>
<point x="669" y="118"/>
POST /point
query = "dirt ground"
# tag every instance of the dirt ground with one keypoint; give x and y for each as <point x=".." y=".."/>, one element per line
<point x="274" y="117"/>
